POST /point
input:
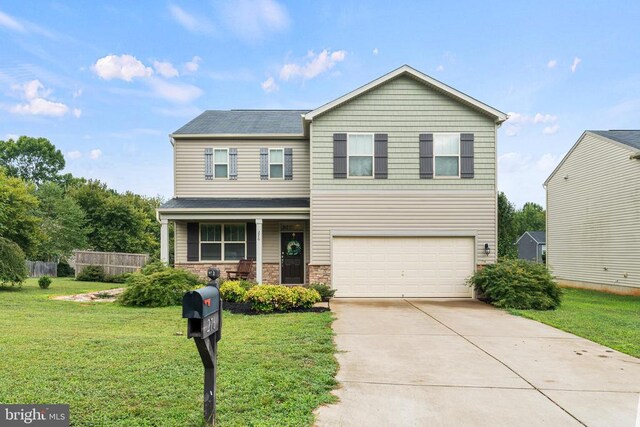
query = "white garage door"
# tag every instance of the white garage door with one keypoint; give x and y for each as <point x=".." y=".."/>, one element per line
<point x="402" y="266"/>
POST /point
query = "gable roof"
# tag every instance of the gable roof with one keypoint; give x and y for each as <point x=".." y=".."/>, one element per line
<point x="497" y="115"/>
<point x="540" y="237"/>
<point x="629" y="138"/>
<point x="245" y="122"/>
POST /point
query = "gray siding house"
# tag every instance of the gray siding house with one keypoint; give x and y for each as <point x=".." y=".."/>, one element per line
<point x="387" y="191"/>
<point x="593" y="213"/>
<point x="532" y="246"/>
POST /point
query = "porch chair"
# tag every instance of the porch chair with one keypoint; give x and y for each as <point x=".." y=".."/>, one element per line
<point x="242" y="271"/>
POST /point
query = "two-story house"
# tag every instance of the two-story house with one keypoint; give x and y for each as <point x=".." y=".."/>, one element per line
<point x="387" y="191"/>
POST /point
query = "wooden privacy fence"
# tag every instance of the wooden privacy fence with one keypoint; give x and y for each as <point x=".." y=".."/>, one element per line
<point x="41" y="268"/>
<point x="114" y="263"/>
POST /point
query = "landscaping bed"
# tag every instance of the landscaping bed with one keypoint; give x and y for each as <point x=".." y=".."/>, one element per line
<point x="608" y="319"/>
<point x="131" y="366"/>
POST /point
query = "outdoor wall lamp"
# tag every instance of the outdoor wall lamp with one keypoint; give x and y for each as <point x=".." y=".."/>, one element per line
<point x="487" y="250"/>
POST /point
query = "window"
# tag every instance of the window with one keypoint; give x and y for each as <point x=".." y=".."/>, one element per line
<point x="221" y="163"/>
<point x="276" y="163"/>
<point x="446" y="154"/>
<point x="360" y="154"/>
<point x="222" y="242"/>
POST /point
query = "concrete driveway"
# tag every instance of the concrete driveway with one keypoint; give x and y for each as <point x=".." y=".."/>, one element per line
<point x="464" y="363"/>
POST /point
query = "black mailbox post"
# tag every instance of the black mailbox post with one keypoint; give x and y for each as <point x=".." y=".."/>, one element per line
<point x="203" y="310"/>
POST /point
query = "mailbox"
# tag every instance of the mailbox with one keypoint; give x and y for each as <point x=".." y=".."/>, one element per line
<point x="203" y="310"/>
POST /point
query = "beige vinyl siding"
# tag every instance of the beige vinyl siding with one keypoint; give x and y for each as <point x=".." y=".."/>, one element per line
<point x="593" y="216"/>
<point x="407" y="211"/>
<point x="189" y="170"/>
<point x="403" y="108"/>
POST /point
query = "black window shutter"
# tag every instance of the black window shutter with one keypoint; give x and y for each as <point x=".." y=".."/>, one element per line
<point x="193" y="241"/>
<point x="233" y="163"/>
<point x="288" y="163"/>
<point x="251" y="240"/>
<point x="264" y="163"/>
<point x="340" y="155"/>
<point x="426" y="156"/>
<point x="208" y="163"/>
<point x="466" y="155"/>
<point x="380" y="154"/>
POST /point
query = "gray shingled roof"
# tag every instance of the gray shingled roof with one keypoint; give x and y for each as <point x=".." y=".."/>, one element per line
<point x="538" y="236"/>
<point x="627" y="137"/>
<point x="245" y="122"/>
<point x="233" y="203"/>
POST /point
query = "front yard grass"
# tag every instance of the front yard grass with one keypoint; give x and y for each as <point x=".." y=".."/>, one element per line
<point x="608" y="319"/>
<point x="120" y="366"/>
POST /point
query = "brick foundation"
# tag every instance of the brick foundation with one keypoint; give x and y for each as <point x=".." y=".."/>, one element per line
<point x="271" y="273"/>
<point x="200" y="269"/>
<point x="319" y="274"/>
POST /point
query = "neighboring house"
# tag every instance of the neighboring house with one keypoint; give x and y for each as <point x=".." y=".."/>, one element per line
<point x="387" y="191"/>
<point x="532" y="246"/>
<point x="593" y="213"/>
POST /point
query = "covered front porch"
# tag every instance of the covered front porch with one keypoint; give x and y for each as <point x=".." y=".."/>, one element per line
<point x="273" y="233"/>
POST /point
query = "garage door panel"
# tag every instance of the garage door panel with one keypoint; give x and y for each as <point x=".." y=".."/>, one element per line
<point x="402" y="266"/>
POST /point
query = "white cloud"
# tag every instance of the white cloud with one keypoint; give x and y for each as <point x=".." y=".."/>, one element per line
<point x="316" y="64"/>
<point x="176" y="92"/>
<point x="165" y="69"/>
<point x="375" y="50"/>
<point x="73" y="155"/>
<point x="11" y="23"/>
<point x="77" y="93"/>
<point x="252" y="20"/>
<point x="95" y="154"/>
<point x="124" y="67"/>
<point x="193" y="65"/>
<point x="11" y="136"/>
<point x="34" y="92"/>
<point x="190" y="22"/>
<point x="440" y="68"/>
<point x="552" y="63"/>
<point x="521" y="176"/>
<point x="511" y="130"/>
<point x="574" y="65"/>
<point x="550" y="130"/>
<point x="77" y="112"/>
<point x="517" y="120"/>
<point x="269" y="85"/>
<point x="544" y="118"/>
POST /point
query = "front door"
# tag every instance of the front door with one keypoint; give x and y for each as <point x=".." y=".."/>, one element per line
<point x="292" y="258"/>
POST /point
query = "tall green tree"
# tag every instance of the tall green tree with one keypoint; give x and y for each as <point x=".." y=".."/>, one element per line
<point x="35" y="160"/>
<point x="63" y="223"/>
<point x="506" y="228"/>
<point x="531" y="217"/>
<point x="18" y="213"/>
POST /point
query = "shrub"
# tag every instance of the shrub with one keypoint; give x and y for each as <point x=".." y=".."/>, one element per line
<point x="517" y="284"/>
<point x="91" y="273"/>
<point x="44" y="282"/>
<point x="65" y="270"/>
<point x="154" y="267"/>
<point x="246" y="284"/>
<point x="324" y="290"/>
<point x="232" y="291"/>
<point x="117" y="278"/>
<point x="269" y="298"/>
<point x="304" y="297"/>
<point x="13" y="269"/>
<point x="159" y="289"/>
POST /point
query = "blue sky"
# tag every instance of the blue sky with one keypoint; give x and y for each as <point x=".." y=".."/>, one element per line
<point x="106" y="82"/>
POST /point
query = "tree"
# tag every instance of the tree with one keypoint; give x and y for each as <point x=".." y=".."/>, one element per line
<point x="63" y="224"/>
<point x="18" y="220"/>
<point x="531" y="217"/>
<point x="506" y="228"/>
<point x="33" y="159"/>
<point x="13" y="269"/>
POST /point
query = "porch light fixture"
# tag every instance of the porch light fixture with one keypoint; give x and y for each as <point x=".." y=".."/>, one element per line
<point x="487" y="251"/>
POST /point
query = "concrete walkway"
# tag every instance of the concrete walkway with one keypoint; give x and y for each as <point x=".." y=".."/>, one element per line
<point x="464" y="363"/>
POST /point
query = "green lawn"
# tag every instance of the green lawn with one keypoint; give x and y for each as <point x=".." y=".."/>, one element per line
<point x="126" y="366"/>
<point x="611" y="320"/>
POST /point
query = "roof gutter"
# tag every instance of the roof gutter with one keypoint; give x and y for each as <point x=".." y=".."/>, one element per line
<point x="174" y="136"/>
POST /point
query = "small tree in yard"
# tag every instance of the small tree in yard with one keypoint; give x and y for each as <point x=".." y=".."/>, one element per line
<point x="13" y="270"/>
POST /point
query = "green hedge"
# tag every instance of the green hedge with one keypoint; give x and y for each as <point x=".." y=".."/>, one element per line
<point x="517" y="284"/>
<point x="160" y="287"/>
<point x="270" y="298"/>
<point x="13" y="269"/>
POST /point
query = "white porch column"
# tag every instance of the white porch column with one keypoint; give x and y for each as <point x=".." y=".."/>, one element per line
<point x="164" y="240"/>
<point x="259" y="250"/>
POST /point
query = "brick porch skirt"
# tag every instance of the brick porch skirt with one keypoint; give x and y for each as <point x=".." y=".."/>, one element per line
<point x="319" y="274"/>
<point x="270" y="271"/>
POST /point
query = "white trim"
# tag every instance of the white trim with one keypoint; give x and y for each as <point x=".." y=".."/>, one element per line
<point x="499" y="116"/>
<point x="232" y="217"/>
<point x="373" y="158"/>
<point x="304" y="258"/>
<point x="269" y="163"/>
<point x="237" y="136"/>
<point x="532" y="238"/>
<point x="259" y="239"/>
<point x="222" y="240"/>
<point x="213" y="161"/>
<point x="435" y="176"/>
<point x="404" y="233"/>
